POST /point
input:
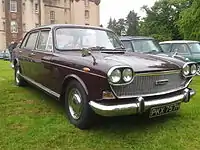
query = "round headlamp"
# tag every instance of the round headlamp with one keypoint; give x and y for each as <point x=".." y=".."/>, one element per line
<point x="115" y="76"/>
<point x="186" y="70"/>
<point x="127" y="75"/>
<point x="193" y="69"/>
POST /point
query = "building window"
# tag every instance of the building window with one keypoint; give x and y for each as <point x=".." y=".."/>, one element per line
<point x="86" y="3"/>
<point x="13" y="6"/>
<point x="36" y="8"/>
<point x="13" y="27"/>
<point x="87" y="15"/>
<point x="52" y="15"/>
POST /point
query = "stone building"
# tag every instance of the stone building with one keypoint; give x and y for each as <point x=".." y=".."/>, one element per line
<point x="19" y="16"/>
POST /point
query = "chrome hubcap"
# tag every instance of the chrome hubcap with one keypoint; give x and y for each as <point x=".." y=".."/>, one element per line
<point x="17" y="76"/>
<point x="75" y="103"/>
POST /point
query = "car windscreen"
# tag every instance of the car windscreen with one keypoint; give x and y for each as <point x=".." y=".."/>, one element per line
<point x="148" y="45"/>
<point x="194" y="47"/>
<point x="79" y="38"/>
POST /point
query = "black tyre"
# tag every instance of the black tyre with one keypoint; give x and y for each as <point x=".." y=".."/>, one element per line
<point x="77" y="108"/>
<point x="19" y="81"/>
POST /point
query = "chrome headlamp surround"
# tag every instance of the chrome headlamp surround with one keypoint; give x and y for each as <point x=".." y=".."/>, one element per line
<point x="125" y="76"/>
<point x="189" y="69"/>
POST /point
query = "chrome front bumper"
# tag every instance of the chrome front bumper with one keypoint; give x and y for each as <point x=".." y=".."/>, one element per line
<point x="140" y="106"/>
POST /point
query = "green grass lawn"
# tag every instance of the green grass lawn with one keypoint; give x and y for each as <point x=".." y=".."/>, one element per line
<point x="29" y="119"/>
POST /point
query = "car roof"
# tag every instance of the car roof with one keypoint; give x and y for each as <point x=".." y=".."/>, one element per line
<point x="70" y="26"/>
<point x="178" y="41"/>
<point x="130" y="38"/>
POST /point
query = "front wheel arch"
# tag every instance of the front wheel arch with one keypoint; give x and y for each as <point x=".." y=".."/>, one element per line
<point x="67" y="80"/>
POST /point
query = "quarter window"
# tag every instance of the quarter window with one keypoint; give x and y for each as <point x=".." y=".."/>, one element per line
<point x="24" y="41"/>
<point x="128" y="46"/>
<point x="44" y="35"/>
<point x="165" y="47"/>
<point x="32" y="41"/>
<point x="13" y="6"/>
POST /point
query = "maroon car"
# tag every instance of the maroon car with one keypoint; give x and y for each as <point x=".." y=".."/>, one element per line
<point x="88" y="69"/>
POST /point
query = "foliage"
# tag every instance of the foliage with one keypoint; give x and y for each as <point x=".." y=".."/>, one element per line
<point x="128" y="26"/>
<point x="165" y="20"/>
<point x="189" y="22"/>
<point x="132" y="23"/>
<point x="118" y="27"/>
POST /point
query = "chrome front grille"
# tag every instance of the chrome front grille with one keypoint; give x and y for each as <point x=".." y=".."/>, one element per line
<point x="145" y="84"/>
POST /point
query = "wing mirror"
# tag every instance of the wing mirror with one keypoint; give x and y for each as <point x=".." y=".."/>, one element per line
<point x="86" y="52"/>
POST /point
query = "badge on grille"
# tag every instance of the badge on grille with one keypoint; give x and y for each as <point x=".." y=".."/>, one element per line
<point x="162" y="82"/>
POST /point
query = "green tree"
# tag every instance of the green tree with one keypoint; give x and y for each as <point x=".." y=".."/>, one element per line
<point x="119" y="27"/>
<point x="189" y="23"/>
<point x="162" y="19"/>
<point x="132" y="23"/>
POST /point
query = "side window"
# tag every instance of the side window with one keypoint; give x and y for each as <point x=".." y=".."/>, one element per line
<point x="42" y="43"/>
<point x="30" y="44"/>
<point x="180" y="48"/>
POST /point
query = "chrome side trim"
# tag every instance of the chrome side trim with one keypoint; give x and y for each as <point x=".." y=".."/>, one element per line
<point x="137" y="107"/>
<point x="155" y="94"/>
<point x="73" y="69"/>
<point x="41" y="86"/>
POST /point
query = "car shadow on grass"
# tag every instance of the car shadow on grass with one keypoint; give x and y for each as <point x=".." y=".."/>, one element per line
<point x="134" y="122"/>
<point x="114" y="124"/>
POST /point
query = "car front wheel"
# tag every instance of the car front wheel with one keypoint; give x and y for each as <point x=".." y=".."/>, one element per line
<point x="77" y="108"/>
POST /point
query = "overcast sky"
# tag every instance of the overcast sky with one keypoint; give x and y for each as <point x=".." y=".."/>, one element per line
<point x="120" y="8"/>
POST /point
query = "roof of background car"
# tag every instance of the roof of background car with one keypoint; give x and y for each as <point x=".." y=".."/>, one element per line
<point x="179" y="41"/>
<point x="129" y="38"/>
<point x="70" y="26"/>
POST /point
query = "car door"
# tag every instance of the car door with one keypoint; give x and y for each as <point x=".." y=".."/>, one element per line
<point x="41" y="69"/>
<point x="25" y="53"/>
<point x="181" y="49"/>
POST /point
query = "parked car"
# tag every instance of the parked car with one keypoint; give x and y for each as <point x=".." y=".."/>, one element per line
<point x="141" y="44"/>
<point x="146" y="45"/>
<point x="87" y="68"/>
<point x="1" y="54"/>
<point x="190" y="50"/>
<point x="5" y="55"/>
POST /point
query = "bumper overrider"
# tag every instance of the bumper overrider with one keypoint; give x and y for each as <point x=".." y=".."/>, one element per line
<point x="141" y="105"/>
